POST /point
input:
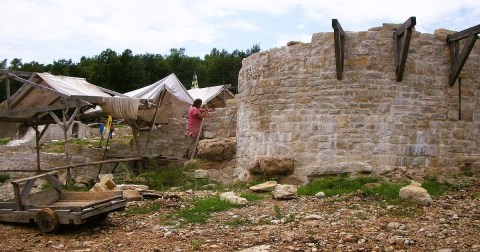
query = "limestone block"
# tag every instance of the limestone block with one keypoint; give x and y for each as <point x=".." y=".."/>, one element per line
<point x="108" y="183"/>
<point x="233" y="198"/>
<point x="272" y="165"/>
<point x="132" y="195"/>
<point x="131" y="187"/>
<point x="285" y="192"/>
<point x="99" y="188"/>
<point x="264" y="187"/>
<point x="83" y="179"/>
<point x="201" y="174"/>
<point x="415" y="193"/>
<point x="217" y="149"/>
<point x="109" y="175"/>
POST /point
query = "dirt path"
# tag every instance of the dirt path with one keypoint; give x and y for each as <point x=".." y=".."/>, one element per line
<point x="348" y="223"/>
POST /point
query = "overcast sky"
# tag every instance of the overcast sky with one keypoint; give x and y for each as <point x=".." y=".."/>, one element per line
<point x="48" y="30"/>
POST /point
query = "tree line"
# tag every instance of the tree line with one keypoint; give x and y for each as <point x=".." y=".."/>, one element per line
<point x="125" y="72"/>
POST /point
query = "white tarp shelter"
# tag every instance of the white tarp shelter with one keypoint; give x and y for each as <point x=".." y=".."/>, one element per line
<point x="214" y="97"/>
<point x="171" y="96"/>
<point x="168" y="93"/>
<point x="45" y="92"/>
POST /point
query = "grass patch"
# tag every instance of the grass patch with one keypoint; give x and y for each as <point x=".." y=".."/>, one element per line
<point x="250" y="196"/>
<point x="201" y="209"/>
<point x="386" y="191"/>
<point x="436" y="187"/>
<point x="4" y="141"/>
<point x="338" y="185"/>
<point x="335" y="185"/>
<point x="197" y="244"/>
<point x="54" y="147"/>
<point x="4" y="177"/>
<point x="165" y="177"/>
<point x="140" y="210"/>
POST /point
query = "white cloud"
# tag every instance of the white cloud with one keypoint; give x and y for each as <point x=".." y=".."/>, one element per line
<point x="45" y="30"/>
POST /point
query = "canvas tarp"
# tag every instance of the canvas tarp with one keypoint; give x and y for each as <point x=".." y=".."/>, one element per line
<point x="54" y="92"/>
<point x="215" y="96"/>
<point x="169" y="91"/>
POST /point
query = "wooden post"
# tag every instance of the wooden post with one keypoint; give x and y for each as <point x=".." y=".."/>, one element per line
<point x="154" y="119"/>
<point x="196" y="140"/>
<point x="104" y="153"/>
<point x="9" y="99"/>
<point x="65" y="126"/>
<point x="339" y="41"/>
<point x="401" y="40"/>
<point x="38" y="137"/>
<point x="18" y="202"/>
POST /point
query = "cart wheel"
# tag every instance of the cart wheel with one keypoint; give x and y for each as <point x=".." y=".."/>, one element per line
<point x="47" y="220"/>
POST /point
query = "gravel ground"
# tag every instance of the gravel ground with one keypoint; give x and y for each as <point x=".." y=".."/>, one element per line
<point x="345" y="223"/>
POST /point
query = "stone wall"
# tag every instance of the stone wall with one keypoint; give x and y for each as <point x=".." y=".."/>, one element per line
<point x="170" y="139"/>
<point x="291" y="104"/>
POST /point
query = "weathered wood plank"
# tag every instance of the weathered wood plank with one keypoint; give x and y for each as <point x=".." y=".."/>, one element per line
<point x="17" y="73"/>
<point x="42" y="198"/>
<point x="339" y="40"/>
<point x="64" y="105"/>
<point x="96" y="163"/>
<point x="37" y="86"/>
<point x="460" y="62"/>
<point x="402" y="44"/>
<point x="463" y="34"/>
<point x="27" y="188"/>
<point x="21" y="180"/>
<point x="52" y="179"/>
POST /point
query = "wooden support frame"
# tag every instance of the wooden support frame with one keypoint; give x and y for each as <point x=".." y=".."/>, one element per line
<point x="458" y="59"/>
<point x="21" y="195"/>
<point x="339" y="38"/>
<point x="38" y="136"/>
<point x="401" y="38"/>
<point x="154" y="119"/>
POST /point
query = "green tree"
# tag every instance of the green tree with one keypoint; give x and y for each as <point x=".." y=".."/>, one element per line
<point x="16" y="64"/>
<point x="33" y="67"/>
<point x="106" y="71"/>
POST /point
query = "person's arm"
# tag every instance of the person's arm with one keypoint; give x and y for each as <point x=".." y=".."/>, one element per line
<point x="199" y="114"/>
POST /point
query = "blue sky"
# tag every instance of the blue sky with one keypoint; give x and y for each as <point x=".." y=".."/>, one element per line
<point x="48" y="30"/>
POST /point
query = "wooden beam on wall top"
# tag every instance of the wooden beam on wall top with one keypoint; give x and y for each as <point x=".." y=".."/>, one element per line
<point x="463" y="34"/>
<point x="458" y="59"/>
<point x="339" y="38"/>
<point x="401" y="39"/>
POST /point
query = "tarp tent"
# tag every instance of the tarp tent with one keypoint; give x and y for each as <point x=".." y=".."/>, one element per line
<point x="168" y="93"/>
<point x="171" y="96"/>
<point x="214" y="97"/>
<point x="45" y="92"/>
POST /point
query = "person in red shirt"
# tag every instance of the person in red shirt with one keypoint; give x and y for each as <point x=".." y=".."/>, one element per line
<point x="194" y="120"/>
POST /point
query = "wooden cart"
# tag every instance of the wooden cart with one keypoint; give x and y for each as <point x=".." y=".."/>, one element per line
<point x="52" y="207"/>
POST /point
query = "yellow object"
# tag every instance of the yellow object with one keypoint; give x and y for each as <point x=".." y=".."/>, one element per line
<point x="109" y="123"/>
